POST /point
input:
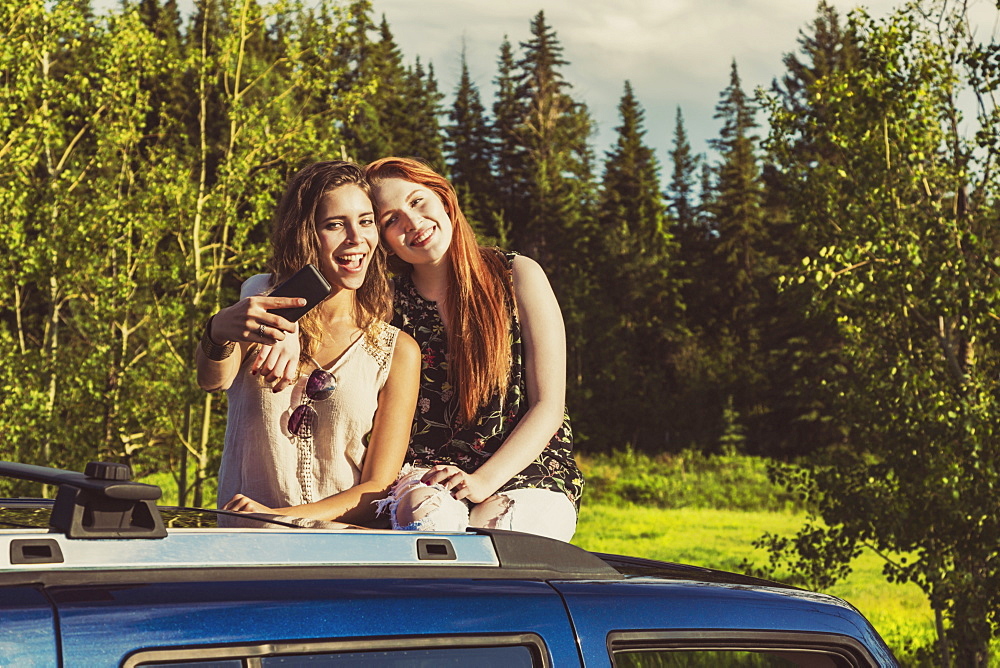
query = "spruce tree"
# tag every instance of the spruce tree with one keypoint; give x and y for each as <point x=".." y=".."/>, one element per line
<point x="683" y="180"/>
<point x="552" y="185"/>
<point x="804" y="343"/>
<point x="737" y="209"/>
<point x="508" y="152"/>
<point x="737" y="274"/>
<point x="420" y="134"/>
<point x="470" y="155"/>
<point x="555" y="186"/>
<point x="634" y="328"/>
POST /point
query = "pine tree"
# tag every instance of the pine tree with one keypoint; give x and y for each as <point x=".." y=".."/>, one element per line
<point x="683" y="179"/>
<point x="420" y="136"/>
<point x="737" y="275"/>
<point x="470" y="155"/>
<point x="402" y="116"/>
<point x="551" y="186"/>
<point x="555" y="185"/>
<point x="804" y="345"/>
<point x="690" y="194"/>
<point x="508" y="153"/>
<point x="636" y="322"/>
<point x="737" y="209"/>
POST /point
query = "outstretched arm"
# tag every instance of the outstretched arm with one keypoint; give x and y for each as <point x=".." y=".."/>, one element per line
<point x="241" y="324"/>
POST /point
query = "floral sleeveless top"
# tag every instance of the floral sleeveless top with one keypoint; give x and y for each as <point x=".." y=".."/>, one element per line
<point x="438" y="435"/>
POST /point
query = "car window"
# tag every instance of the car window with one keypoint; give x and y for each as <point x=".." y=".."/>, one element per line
<point x="723" y="659"/>
<point x="737" y="649"/>
<point x="480" y="657"/>
<point x="459" y="657"/>
<point x="495" y="651"/>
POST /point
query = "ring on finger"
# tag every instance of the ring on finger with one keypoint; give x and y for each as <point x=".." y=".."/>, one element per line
<point x="260" y="331"/>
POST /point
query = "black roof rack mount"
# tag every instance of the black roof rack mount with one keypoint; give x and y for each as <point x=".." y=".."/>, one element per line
<point x="101" y="502"/>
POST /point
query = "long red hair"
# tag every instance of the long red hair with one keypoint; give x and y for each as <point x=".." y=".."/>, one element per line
<point x="479" y="298"/>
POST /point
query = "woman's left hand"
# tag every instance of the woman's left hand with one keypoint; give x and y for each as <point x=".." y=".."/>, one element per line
<point x="278" y="363"/>
<point x="462" y="485"/>
<point x="244" y="504"/>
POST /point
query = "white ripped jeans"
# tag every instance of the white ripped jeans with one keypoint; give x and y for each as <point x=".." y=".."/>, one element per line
<point x="416" y="506"/>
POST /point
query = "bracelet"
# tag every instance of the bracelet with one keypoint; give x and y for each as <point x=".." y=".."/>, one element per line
<point x="214" y="351"/>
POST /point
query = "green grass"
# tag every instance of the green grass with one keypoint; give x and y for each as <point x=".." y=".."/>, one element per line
<point x="723" y="539"/>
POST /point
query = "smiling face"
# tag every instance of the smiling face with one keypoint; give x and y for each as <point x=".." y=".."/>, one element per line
<point x="415" y="225"/>
<point x="348" y="236"/>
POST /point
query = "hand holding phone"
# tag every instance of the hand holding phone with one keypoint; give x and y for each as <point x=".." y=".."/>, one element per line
<point x="307" y="283"/>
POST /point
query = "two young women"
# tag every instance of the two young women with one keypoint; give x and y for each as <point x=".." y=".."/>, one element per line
<point x="491" y="442"/>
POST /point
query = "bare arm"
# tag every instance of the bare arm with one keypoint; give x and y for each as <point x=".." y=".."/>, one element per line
<point x="241" y="323"/>
<point x="544" y="340"/>
<point x="386" y="449"/>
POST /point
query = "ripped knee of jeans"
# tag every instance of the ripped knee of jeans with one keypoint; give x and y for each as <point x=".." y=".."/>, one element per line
<point x="417" y="506"/>
<point x="496" y="512"/>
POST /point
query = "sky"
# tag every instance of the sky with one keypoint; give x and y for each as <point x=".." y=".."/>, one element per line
<point x="676" y="53"/>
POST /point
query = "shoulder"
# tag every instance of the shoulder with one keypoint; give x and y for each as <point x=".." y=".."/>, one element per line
<point x="533" y="294"/>
<point x="406" y="353"/>
<point x="255" y="285"/>
<point x="527" y="273"/>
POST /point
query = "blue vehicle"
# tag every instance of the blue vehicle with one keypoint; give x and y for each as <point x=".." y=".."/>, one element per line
<point x="101" y="576"/>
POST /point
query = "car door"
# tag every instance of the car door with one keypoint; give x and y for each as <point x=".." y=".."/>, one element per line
<point x="272" y="621"/>
<point x="27" y="627"/>
<point x="651" y="622"/>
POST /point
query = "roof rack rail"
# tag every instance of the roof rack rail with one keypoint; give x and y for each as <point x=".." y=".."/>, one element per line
<point x="101" y="502"/>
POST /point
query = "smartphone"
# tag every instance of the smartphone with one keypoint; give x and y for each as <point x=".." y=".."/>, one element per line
<point x="308" y="283"/>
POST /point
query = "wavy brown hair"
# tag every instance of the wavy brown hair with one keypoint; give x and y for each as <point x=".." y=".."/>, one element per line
<point x="295" y="243"/>
<point x="478" y="301"/>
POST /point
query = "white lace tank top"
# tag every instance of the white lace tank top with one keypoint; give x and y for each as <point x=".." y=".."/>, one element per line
<point x="264" y="461"/>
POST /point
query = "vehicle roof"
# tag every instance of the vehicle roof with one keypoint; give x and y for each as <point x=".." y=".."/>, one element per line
<point x="102" y="522"/>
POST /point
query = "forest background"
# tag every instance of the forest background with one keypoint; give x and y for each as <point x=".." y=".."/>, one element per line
<point x="819" y="293"/>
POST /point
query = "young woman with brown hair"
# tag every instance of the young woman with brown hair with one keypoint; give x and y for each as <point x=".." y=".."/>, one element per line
<point x="320" y="422"/>
<point x="492" y="443"/>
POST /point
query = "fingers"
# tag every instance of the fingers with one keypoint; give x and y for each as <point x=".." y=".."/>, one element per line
<point x="276" y="321"/>
<point x="278" y="363"/>
<point x="285" y="373"/>
<point x="461" y="490"/>
<point x="250" y="320"/>
<point x="276" y="367"/>
<point x="237" y="503"/>
<point x="244" y="504"/>
<point x="450" y="477"/>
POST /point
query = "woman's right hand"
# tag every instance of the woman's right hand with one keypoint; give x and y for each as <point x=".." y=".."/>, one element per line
<point x="244" y="504"/>
<point x="249" y="320"/>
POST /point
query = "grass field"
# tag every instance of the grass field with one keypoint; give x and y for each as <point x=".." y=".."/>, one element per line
<point x="723" y="538"/>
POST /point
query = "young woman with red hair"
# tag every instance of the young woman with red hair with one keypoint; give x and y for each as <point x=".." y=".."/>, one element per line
<point x="491" y="445"/>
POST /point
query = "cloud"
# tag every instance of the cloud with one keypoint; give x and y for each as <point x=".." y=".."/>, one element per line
<point x="675" y="52"/>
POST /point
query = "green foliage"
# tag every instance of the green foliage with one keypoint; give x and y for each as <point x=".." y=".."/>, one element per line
<point x="470" y="157"/>
<point x="689" y="479"/>
<point x="904" y="239"/>
<point x="138" y="178"/>
<point x="635" y="310"/>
